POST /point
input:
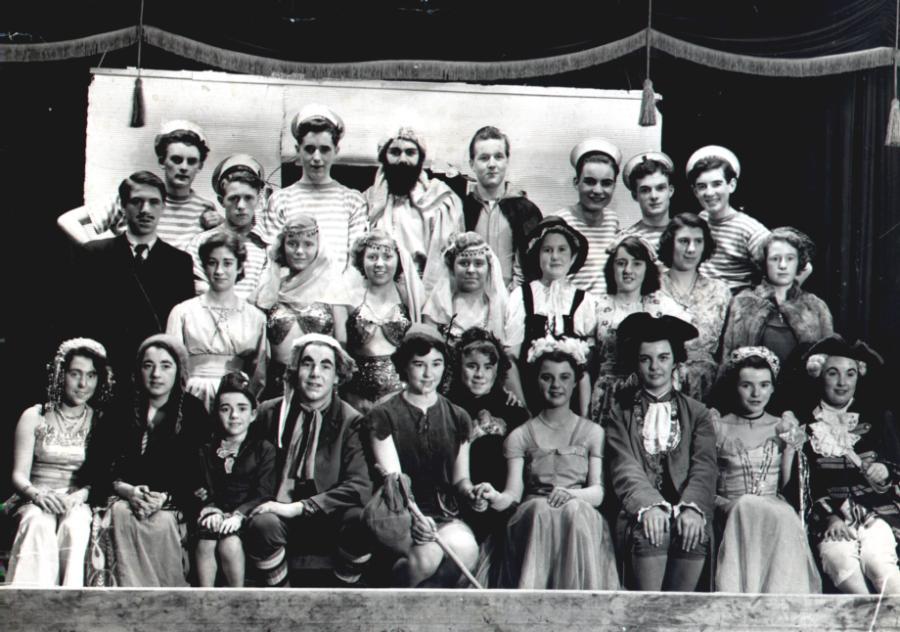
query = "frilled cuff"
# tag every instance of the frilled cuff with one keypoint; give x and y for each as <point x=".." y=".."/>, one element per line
<point x="676" y="511"/>
<point x="663" y="504"/>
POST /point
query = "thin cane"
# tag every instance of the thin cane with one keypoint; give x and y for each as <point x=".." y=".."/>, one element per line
<point x="417" y="513"/>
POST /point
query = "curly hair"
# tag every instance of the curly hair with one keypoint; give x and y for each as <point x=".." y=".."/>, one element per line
<point x="684" y="220"/>
<point x="224" y="239"/>
<point x="478" y="340"/>
<point x="805" y="247"/>
<point x="459" y="242"/>
<point x="634" y="247"/>
<point x="379" y="237"/>
<point x="161" y="147"/>
<point x="558" y="355"/>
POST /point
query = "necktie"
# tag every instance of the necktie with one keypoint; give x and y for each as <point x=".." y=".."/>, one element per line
<point x="140" y="253"/>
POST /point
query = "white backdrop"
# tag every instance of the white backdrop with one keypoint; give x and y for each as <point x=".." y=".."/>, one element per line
<point x="252" y="114"/>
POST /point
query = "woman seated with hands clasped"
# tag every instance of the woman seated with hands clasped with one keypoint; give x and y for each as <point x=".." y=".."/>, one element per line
<point x="49" y="473"/>
<point x="236" y="474"/>
<point x="556" y="538"/>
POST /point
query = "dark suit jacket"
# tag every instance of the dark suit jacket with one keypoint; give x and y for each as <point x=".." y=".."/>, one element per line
<point x="691" y="465"/>
<point x="342" y="475"/>
<point x="122" y="304"/>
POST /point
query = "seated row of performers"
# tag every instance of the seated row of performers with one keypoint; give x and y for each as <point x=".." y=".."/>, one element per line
<point x="149" y="489"/>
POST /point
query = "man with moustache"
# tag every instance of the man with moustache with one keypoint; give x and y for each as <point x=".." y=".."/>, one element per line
<point x="143" y="277"/>
<point x="662" y="449"/>
<point x="238" y="181"/>
<point x="181" y="150"/>
<point x="494" y="208"/>
<point x="419" y="212"/>
<point x="649" y="178"/>
<point x="339" y="211"/>
<point x="324" y="481"/>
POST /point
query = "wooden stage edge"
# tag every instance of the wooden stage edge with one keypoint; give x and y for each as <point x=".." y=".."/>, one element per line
<point x="376" y="610"/>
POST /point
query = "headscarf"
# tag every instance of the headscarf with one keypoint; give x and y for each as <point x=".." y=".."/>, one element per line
<point x="439" y="305"/>
<point x="179" y="353"/>
<point x="320" y="282"/>
<point x="412" y="292"/>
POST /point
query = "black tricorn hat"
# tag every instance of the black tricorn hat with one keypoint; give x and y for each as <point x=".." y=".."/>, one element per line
<point x="835" y="345"/>
<point x="553" y="224"/>
<point x="643" y="327"/>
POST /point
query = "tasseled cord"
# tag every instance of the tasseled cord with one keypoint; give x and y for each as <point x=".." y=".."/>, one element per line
<point x="137" y="97"/>
<point x="892" y="138"/>
<point x="648" y="97"/>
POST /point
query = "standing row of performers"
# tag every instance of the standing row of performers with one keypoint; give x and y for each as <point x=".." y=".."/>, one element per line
<point x="332" y="304"/>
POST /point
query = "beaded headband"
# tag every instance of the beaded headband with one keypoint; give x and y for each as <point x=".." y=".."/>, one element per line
<point x="376" y="243"/>
<point x="298" y="230"/>
<point x="574" y="347"/>
<point x="742" y="353"/>
<point x="474" y="251"/>
<point x="55" y="368"/>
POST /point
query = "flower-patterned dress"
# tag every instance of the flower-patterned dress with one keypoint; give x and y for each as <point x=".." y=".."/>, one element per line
<point x="707" y="303"/>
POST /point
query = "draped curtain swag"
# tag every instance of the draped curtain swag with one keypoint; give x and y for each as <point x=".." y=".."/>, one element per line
<point x="436" y="70"/>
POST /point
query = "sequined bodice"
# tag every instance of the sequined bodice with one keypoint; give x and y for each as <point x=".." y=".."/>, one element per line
<point x="315" y="318"/>
<point x="59" y="449"/>
<point x="360" y="329"/>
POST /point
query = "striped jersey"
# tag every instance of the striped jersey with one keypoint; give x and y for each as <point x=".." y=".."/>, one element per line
<point x="650" y="233"/>
<point x="738" y="240"/>
<point x="590" y="278"/>
<point x="256" y="262"/>
<point x="341" y="213"/>
<point x="178" y="224"/>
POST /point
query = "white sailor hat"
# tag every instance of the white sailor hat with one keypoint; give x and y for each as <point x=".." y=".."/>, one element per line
<point x="180" y="124"/>
<point x="714" y="151"/>
<point x="232" y="162"/>
<point x="595" y="145"/>
<point x="658" y="156"/>
<point x="317" y="111"/>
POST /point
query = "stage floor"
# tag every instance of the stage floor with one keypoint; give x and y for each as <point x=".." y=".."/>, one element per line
<point x="372" y="610"/>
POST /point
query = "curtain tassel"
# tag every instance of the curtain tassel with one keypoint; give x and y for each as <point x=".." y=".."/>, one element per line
<point x="892" y="139"/>
<point x="137" y="104"/>
<point x="137" y="96"/>
<point x="648" y="105"/>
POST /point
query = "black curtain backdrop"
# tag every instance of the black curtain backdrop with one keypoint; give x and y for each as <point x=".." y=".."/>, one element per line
<point x="812" y="150"/>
